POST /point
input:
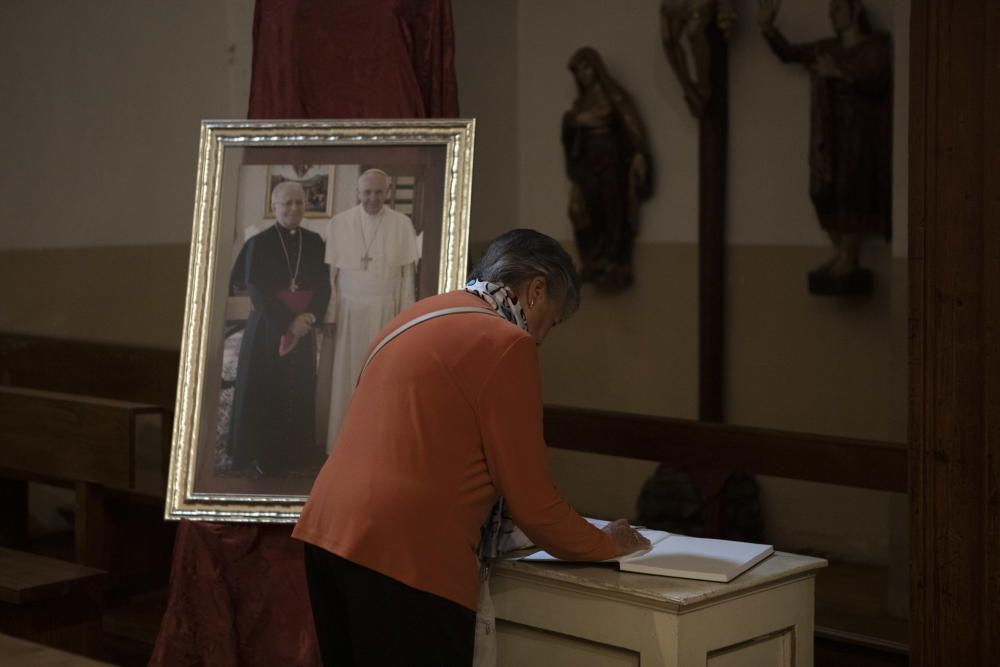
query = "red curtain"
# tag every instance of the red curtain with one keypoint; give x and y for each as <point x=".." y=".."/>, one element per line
<point x="237" y="592"/>
<point x="353" y="59"/>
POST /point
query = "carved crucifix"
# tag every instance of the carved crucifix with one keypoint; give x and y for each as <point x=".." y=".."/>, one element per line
<point x="694" y="34"/>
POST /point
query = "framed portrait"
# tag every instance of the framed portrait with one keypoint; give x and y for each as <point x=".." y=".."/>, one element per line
<point x="316" y="181"/>
<point x="271" y="340"/>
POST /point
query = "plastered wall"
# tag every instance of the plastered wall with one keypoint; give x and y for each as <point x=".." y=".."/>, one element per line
<point x="101" y="113"/>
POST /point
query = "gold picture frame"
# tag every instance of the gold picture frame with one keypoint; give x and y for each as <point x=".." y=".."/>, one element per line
<point x="235" y="159"/>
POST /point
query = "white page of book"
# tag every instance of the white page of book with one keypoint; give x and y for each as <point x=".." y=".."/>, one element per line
<point x="696" y="558"/>
<point x="672" y="555"/>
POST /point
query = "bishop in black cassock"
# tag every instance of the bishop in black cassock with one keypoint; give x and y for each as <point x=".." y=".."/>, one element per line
<point x="273" y="416"/>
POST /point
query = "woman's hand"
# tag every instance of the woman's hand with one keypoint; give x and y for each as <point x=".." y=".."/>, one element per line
<point x="625" y="538"/>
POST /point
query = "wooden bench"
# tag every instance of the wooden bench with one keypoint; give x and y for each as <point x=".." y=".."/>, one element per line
<point x="123" y="372"/>
<point x="15" y="651"/>
<point x="84" y="442"/>
<point x="150" y="375"/>
<point x="49" y="600"/>
<point x="866" y="464"/>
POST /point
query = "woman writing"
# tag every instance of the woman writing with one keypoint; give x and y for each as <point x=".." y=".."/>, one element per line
<point x="446" y="417"/>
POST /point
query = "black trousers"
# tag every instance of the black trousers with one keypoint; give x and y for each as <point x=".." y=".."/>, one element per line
<point x="363" y="617"/>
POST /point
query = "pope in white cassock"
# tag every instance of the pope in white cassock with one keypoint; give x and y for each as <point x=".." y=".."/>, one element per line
<point x="372" y="251"/>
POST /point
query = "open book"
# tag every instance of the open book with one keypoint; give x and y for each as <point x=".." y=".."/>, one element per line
<point x="673" y="555"/>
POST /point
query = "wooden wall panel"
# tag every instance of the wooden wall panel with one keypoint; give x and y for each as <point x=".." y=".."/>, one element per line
<point x="953" y="384"/>
<point x="990" y="281"/>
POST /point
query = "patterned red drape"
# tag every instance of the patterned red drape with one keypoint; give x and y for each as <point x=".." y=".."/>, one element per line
<point x="237" y="592"/>
<point x="353" y="59"/>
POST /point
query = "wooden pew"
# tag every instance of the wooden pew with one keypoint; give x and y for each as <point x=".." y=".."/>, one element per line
<point x="867" y="464"/>
<point x="150" y="375"/>
<point x="15" y="651"/>
<point x="123" y="372"/>
<point x="81" y="441"/>
<point x="49" y="600"/>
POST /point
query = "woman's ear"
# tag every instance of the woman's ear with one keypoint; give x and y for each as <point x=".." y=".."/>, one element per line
<point x="537" y="290"/>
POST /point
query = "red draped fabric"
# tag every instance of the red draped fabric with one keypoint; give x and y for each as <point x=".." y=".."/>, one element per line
<point x="237" y="592"/>
<point x="353" y="59"/>
<point x="237" y="599"/>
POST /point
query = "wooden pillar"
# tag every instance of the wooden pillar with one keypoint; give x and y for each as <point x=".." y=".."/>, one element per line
<point x="713" y="134"/>
<point x="91" y="525"/>
<point x="955" y="333"/>
<point x="13" y="512"/>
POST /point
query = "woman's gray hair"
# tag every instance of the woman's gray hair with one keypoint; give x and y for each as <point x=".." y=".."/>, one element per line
<point x="519" y="255"/>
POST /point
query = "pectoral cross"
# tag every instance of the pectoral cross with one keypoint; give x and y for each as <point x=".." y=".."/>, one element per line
<point x="365" y="259"/>
<point x="294" y="286"/>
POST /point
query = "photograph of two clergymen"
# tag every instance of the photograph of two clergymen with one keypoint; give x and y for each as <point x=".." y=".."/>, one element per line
<point x="324" y="257"/>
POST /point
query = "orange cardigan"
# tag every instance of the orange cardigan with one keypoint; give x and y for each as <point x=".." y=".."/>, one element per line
<point x="446" y="417"/>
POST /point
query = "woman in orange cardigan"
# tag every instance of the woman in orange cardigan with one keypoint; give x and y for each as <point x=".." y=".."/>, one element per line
<point x="446" y="418"/>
